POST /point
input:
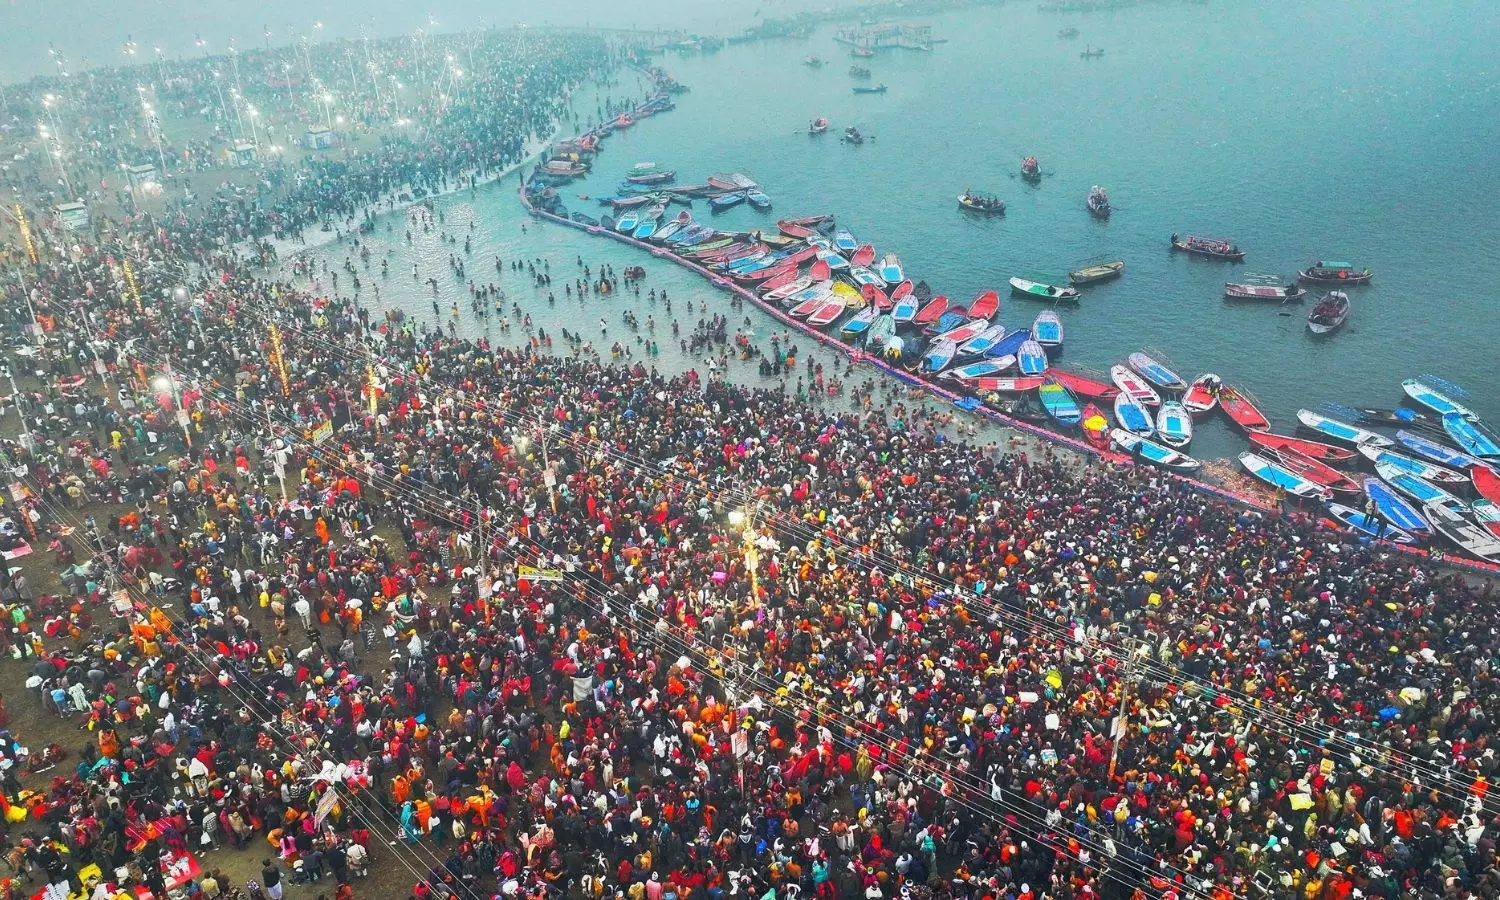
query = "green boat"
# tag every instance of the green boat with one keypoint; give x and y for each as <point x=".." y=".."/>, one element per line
<point x="1042" y="291"/>
<point x="715" y="244"/>
<point x="640" y="169"/>
<point x="881" y="331"/>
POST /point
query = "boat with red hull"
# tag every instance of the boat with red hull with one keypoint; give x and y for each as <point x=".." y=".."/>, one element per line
<point x="1241" y="411"/>
<point x="1316" y="472"/>
<point x="1324" y="453"/>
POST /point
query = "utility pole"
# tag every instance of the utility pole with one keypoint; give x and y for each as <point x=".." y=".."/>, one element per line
<point x="548" y="476"/>
<point x="1125" y="683"/>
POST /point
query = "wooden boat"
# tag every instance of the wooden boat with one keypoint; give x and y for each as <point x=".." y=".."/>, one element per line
<point x="982" y="342"/>
<point x="1097" y="272"/>
<point x="1152" y="452"/>
<point x="1095" y="427"/>
<point x="1091" y="52"/>
<point x="1130" y="383"/>
<point x="792" y="229"/>
<point x="1097" y="202"/>
<point x="1439" y="403"/>
<point x="969" y="329"/>
<point x="693" y="237"/>
<point x="905" y="309"/>
<point x="851" y="297"/>
<point x="1047" y="330"/>
<point x="820" y="270"/>
<point x="817" y="126"/>
<point x="1017" y="385"/>
<point x="1059" y="404"/>
<point x="1031" y="170"/>
<point x="859" y="322"/>
<point x="726" y="201"/>
<point x="1461" y="530"/>
<point x="1068" y="33"/>
<point x="862" y="89"/>
<point x="832" y="260"/>
<point x="844" y="242"/>
<point x="859" y="72"/>
<point x="1241" y="411"/>
<point x="1427" y="471"/>
<point x="640" y="169"/>
<point x="758" y="199"/>
<point x="628" y="222"/>
<point x="744" y="182"/>
<point x="1213" y="248"/>
<point x="863" y="256"/>
<point x="1025" y="408"/>
<point x="1486" y="483"/>
<point x="939" y="354"/>
<point x="987" y="204"/>
<point x="585" y="220"/>
<point x="876" y="296"/>
<point x="1174" y="425"/>
<point x="1439" y="453"/>
<point x="1283" y="479"/>
<point x="1325" y="453"/>
<point x="1414" y="488"/>
<point x="1132" y="416"/>
<point x="1362" y="523"/>
<point x="949" y="320"/>
<point x="1156" y="373"/>
<point x="982" y="369"/>
<point x="1394" y="509"/>
<point x="1471" y="437"/>
<point x="1314" y="471"/>
<point x="931" y="311"/>
<point x="852" y="136"/>
<point x="786" y="289"/>
<point x="1487" y="514"/>
<point x="813" y="62"/>
<point x="806" y="305"/>
<point x="864" y="277"/>
<point x="880" y="331"/>
<point x="1341" y="431"/>
<point x="890" y="269"/>
<point x="985" y="305"/>
<point x="1330" y="313"/>
<point x="682" y="221"/>
<point x="1083" y="386"/>
<point x="1031" y="358"/>
<point x="827" y="310"/>
<point x="651" y="178"/>
<point x="1334" y="272"/>
<point x="1037" y="289"/>
<point x="1276" y="293"/>
<point x="1010" y="345"/>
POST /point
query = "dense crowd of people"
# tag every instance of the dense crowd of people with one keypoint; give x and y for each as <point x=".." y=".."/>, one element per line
<point x="358" y="593"/>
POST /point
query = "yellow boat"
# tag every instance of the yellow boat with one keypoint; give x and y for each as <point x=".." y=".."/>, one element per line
<point x="851" y="296"/>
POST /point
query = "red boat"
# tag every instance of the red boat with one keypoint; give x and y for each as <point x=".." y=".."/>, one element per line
<point x="1486" y="482"/>
<point x="784" y="275"/>
<point x="1095" y="425"/>
<point x="1085" y="387"/>
<point x="932" y="311"/>
<point x="792" y="229"/>
<point x="772" y="273"/>
<point x="811" y="221"/>
<point x="901" y="291"/>
<point x="1018" y="385"/>
<point x="1241" y="410"/>
<point x="985" y="305"/>
<point x="723" y="183"/>
<point x="1326" y="453"/>
<point x="877" y="297"/>
<point x="1316" y="472"/>
<point x="863" y="256"/>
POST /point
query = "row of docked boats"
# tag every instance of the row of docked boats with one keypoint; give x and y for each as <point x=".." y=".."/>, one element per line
<point x="646" y="193"/>
<point x="574" y="158"/>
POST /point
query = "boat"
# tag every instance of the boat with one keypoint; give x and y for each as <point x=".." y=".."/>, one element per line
<point x="931" y="311"/>
<point x="938" y="355"/>
<point x="890" y="269"/>
<point x="1091" y="52"/>
<point x="949" y="320"/>
<point x="1095" y="427"/>
<point x="1174" y="425"/>
<point x="862" y="89"/>
<point x="1132" y="416"/>
<point x="1487" y="514"/>
<point x="817" y="126"/>
<point x="726" y="201"/>
<point x="1439" y="453"/>
<point x="981" y="203"/>
<point x="1213" y="248"/>
<point x="859" y="72"/>
<point x="1461" y="530"/>
<point x="813" y="62"/>
<point x="1025" y="408"/>
<point x="981" y="343"/>
<point x="1334" y="272"/>
<point x="1401" y="415"/>
<point x="1486" y="483"/>
<point x="876" y="296"/>
<point x="1031" y="170"/>
<point x="671" y="228"/>
<point x="794" y="230"/>
<point x="859" y="322"/>
<point x="1394" y="509"/>
<point x="808" y="301"/>
<point x="982" y="369"/>
<point x="1427" y="471"/>
<point x="1130" y="383"/>
<point x="1037" y="289"/>
<point x="905" y="309"/>
<point x="758" y="199"/>
<point x="832" y="260"/>
<point x="880" y="331"/>
<point x="1068" y="33"/>
<point x="1283" y="479"/>
<point x="1096" y="272"/>
<point x="1047" y="330"/>
<point x="1331" y="312"/>
<point x="863" y="255"/>
<point x="646" y="229"/>
<point x="628" y="222"/>
<point x="1278" y="293"/>
<point x="985" y="305"/>
<point x="1098" y="202"/>
<point x="1471" y="437"/>
<point x="585" y="220"/>
<point x="852" y="298"/>
<point x="651" y="177"/>
<point x="1015" y="385"/>
<point x="1059" y="404"/>
<point x="1084" y="386"/>
<point x="864" y="277"/>
<point x="1203" y="394"/>
<point x="1241" y="411"/>
<point x="1439" y="403"/>
<point x="722" y="182"/>
<point x="1423" y="492"/>
<point x="786" y="289"/>
<point x="1010" y="345"/>
<point x="1315" y="471"/>
<point x="844" y="241"/>
<point x="827" y="310"/>
<point x="639" y="169"/>
<point x="902" y="291"/>
<point x="970" y="328"/>
<point x="1364" y="524"/>
<point x="1155" y="372"/>
<point x="1031" y="358"/>
<point x="1325" y="453"/>
<point x="852" y="136"/>
<point x="1341" y="431"/>
<point x="1152" y="452"/>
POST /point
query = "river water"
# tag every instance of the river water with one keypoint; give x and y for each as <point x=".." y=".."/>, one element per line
<point x="1291" y="128"/>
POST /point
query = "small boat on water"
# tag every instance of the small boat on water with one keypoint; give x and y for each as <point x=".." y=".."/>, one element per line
<point x="1471" y="437"/>
<point x="859" y="72"/>
<point x="1241" y="411"/>
<point x="863" y="255"/>
<point x="1041" y="291"/>
<point x="938" y="356"/>
<point x="1274" y="293"/>
<point x="1283" y="479"/>
<point x="980" y="344"/>
<point x="1047" y="330"/>
<point x="860" y="321"/>
<point x="905" y="309"/>
<point x="722" y="182"/>
<point x="817" y="126"/>
<point x="1315" y="471"/>
<point x="1058" y="402"/>
<point x="1423" y="492"/>
<point x="651" y="178"/>
<point x="876" y="296"/>
<point x="1015" y="385"/>
<point x="985" y="305"/>
<point x="1203" y="394"/>
<point x="877" y="89"/>
<point x="813" y="62"/>
<point x="1439" y="453"/>
<point x="640" y="169"/>
<point x="1427" y="471"/>
<point x="852" y="136"/>
<point x="1130" y="383"/>
<point x="981" y="203"/>
<point x="1395" y="509"/>
<point x="1152" y="452"/>
<point x="1461" y="530"/>
<point x="931" y="311"/>
<point x="780" y="292"/>
<point x="1096" y="272"/>
<point x="1341" y="431"/>
<point x="1439" y="403"/>
<point x="1098" y="202"/>
<point x="880" y="331"/>
<point x="864" y="277"/>
<point x="1084" y="386"/>
<point x="795" y="229"/>
<point x="953" y="317"/>
<point x="1031" y="170"/>
<point x="758" y="199"/>
<point x="1155" y="372"/>
<point x="1213" y="248"/>
<point x="971" y="328"/>
<point x="1091" y="52"/>
<point x="1132" y="415"/>
<point x="1095" y="427"/>
<point x="1330" y="313"/>
<point x="1364" y="524"/>
<point x="1068" y="33"/>
<point x="1031" y="358"/>
<point x="810" y="301"/>
<point x="726" y="201"/>
<point x="844" y="242"/>
<point x="1486" y="483"/>
<point x="827" y="311"/>
<point x="982" y="369"/>
<point x="1334" y="272"/>
<point x="628" y="222"/>
<point x="890" y="269"/>
<point x="1174" y="425"/>
<point x="1325" y="453"/>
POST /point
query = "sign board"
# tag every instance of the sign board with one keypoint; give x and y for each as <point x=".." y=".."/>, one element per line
<point x="739" y="742"/>
<point x="549" y="477"/>
<point x="326" y="803"/>
<point x="322" y="433"/>
<point x="531" y="573"/>
<point x="486" y="586"/>
<point x="182" y="418"/>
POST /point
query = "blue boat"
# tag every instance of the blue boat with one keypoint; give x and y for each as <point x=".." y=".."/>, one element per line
<point x="645" y="230"/>
<point x="1442" y="404"/>
<point x="1132" y="416"/>
<point x="1343" y="431"/>
<point x="1471" y="436"/>
<point x="1423" y="492"/>
<point x="690" y="235"/>
<point x="863" y="276"/>
<point x="1032" y="358"/>
<point x="1419" y="467"/>
<point x="1152" y="452"/>
<point x="628" y="223"/>
<point x="1283" y="479"/>
<point x="726" y="201"/>
<point x="939" y="355"/>
<point x="1059" y="402"/>
<point x="1155" y="372"/>
<point x="844" y="241"/>
<point x="758" y="199"/>
<point x="980" y="369"/>
<point x="859" y="322"/>
<point x="1010" y="344"/>
<point x="906" y="309"/>
<point x="1438" y="453"/>
<point x="949" y="321"/>
<point x="1174" y="424"/>
<point x="1375" y="528"/>
<point x="1394" y="508"/>
<point x="1047" y="330"/>
<point x="982" y="342"/>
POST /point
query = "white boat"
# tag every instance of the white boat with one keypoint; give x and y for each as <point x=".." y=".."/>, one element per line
<point x="1439" y="403"/>
<point x="939" y="354"/>
<point x="863" y="276"/>
<point x="890" y="269"/>
<point x="1283" y="479"/>
<point x="1043" y="291"/>
<point x="1362" y="523"/>
<point x="1419" y="467"/>
<point x="1132" y="416"/>
<point x="1343" y="431"/>
<point x="970" y="329"/>
<point x="1152" y="452"/>
<point x="1424" y="493"/>
<point x="1174" y="424"/>
<point x="790" y="288"/>
<point x="1156" y="373"/>
<point x="1130" y="383"/>
<point x="1047" y="330"/>
<point x="1459" y="529"/>
<point x="981" y="369"/>
<point x="982" y="342"/>
<point x="1203" y="394"/>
